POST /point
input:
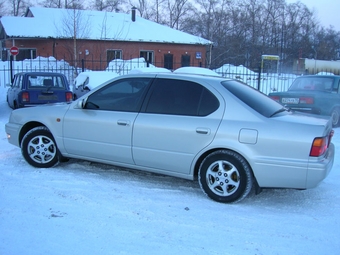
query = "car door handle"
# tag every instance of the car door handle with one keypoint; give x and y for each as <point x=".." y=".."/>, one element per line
<point x="203" y="131"/>
<point x="123" y="122"/>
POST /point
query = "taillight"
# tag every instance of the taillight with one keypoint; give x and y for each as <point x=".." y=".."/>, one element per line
<point x="25" y="97"/>
<point x="69" y="96"/>
<point x="320" y="145"/>
<point x="275" y="98"/>
<point x="306" y="100"/>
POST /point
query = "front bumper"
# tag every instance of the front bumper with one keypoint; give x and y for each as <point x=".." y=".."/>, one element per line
<point x="12" y="131"/>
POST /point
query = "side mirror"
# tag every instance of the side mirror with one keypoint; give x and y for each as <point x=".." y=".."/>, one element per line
<point x="81" y="103"/>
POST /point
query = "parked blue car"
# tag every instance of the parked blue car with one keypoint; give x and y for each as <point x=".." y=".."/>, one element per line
<point x="36" y="88"/>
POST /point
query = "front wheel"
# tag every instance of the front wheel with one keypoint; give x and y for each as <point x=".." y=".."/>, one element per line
<point x="335" y="117"/>
<point x="39" y="148"/>
<point x="225" y="176"/>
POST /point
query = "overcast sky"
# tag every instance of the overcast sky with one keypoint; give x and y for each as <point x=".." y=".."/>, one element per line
<point x="327" y="11"/>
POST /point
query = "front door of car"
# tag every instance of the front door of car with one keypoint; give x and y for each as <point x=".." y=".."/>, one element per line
<point x="179" y="120"/>
<point x="102" y="129"/>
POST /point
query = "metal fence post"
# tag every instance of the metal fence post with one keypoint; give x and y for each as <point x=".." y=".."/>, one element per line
<point x="11" y="67"/>
<point x="259" y="79"/>
<point x="82" y="65"/>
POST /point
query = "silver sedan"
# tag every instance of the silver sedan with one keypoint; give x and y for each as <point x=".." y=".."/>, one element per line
<point x="229" y="136"/>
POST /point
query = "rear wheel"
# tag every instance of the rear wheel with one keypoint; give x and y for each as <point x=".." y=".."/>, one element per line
<point x="39" y="148"/>
<point x="225" y="176"/>
<point x="335" y="117"/>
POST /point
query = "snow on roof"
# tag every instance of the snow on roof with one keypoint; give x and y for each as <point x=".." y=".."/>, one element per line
<point x="196" y="70"/>
<point x="149" y="70"/>
<point x="95" y="25"/>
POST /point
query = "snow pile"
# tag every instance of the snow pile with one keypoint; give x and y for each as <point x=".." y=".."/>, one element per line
<point x="196" y="70"/>
<point x="228" y="69"/>
<point x="125" y="66"/>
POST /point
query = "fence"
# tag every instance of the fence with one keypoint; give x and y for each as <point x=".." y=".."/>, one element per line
<point x="265" y="82"/>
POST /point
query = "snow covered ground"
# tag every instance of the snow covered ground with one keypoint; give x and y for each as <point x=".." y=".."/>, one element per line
<point x="83" y="208"/>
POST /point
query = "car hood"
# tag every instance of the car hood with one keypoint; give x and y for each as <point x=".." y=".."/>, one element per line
<point x="39" y="113"/>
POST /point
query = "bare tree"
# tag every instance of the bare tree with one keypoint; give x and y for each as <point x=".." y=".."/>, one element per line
<point x="177" y="10"/>
<point x="52" y="3"/>
<point x="2" y="8"/>
<point x="74" y="25"/>
<point x="18" y="7"/>
<point x="107" y="5"/>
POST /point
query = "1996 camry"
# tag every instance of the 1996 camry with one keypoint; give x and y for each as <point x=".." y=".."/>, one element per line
<point x="227" y="134"/>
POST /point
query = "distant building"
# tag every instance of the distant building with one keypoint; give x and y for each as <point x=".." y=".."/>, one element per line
<point x="98" y="38"/>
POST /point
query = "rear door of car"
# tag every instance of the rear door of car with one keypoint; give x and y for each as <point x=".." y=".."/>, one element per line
<point x="178" y="120"/>
<point x="102" y="129"/>
<point x="13" y="92"/>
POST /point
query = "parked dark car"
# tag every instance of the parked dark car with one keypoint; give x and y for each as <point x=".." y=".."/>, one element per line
<point x="316" y="94"/>
<point x="36" y="88"/>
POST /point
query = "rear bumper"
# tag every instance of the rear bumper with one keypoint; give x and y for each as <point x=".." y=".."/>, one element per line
<point x="306" y="110"/>
<point x="318" y="170"/>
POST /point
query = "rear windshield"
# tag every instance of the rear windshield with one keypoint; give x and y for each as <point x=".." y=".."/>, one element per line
<point x="45" y="81"/>
<point x="253" y="98"/>
<point x="313" y="83"/>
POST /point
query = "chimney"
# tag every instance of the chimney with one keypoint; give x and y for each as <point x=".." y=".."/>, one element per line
<point x="133" y="14"/>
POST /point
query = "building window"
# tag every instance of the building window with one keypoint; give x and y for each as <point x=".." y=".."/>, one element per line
<point x="147" y="55"/>
<point x="22" y="55"/>
<point x="113" y="54"/>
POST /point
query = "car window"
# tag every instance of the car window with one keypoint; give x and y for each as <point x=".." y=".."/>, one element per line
<point x="178" y="97"/>
<point x="17" y="81"/>
<point x="313" y="83"/>
<point x="336" y="88"/>
<point x="122" y="95"/>
<point x="253" y="98"/>
<point x="48" y="81"/>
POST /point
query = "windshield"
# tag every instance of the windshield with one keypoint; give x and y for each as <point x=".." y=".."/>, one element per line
<point x="45" y="81"/>
<point x="253" y="98"/>
<point x="312" y="83"/>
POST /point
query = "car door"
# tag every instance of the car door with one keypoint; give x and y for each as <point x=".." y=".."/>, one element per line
<point x="179" y="119"/>
<point x="14" y="90"/>
<point x="102" y="129"/>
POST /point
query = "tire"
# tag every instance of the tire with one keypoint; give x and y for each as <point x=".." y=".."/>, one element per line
<point x="335" y="117"/>
<point x="8" y="102"/>
<point x="225" y="176"/>
<point x="39" y="148"/>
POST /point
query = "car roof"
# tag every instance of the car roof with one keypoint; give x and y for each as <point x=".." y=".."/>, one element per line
<point x="39" y="73"/>
<point x="173" y="75"/>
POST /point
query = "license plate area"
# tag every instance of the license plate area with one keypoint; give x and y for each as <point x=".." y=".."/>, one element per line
<point x="290" y="100"/>
<point x="47" y="97"/>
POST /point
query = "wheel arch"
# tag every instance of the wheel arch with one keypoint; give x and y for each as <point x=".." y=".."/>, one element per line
<point x="206" y="153"/>
<point x="27" y="127"/>
<point x="337" y="108"/>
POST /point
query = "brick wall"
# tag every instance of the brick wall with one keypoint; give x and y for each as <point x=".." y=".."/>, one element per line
<point x="97" y="50"/>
